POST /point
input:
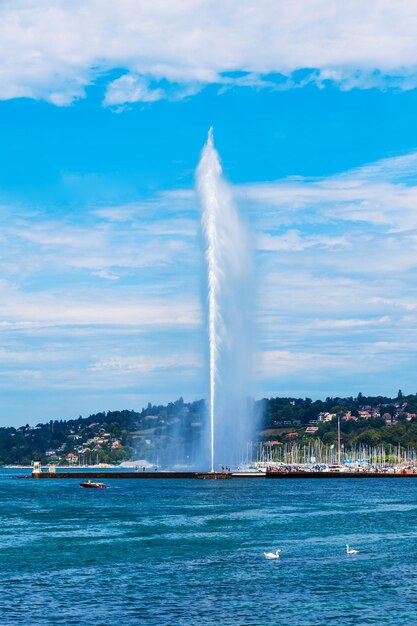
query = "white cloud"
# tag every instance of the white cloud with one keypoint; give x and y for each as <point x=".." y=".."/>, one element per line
<point x="53" y="51"/>
<point x="108" y="250"/>
<point x="146" y="364"/>
<point x="128" y="89"/>
<point x="383" y="194"/>
<point x="327" y="364"/>
<point x="292" y="240"/>
<point x="352" y="323"/>
<point x="96" y="307"/>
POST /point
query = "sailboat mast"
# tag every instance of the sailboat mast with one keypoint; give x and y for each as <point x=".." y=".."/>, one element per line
<point x="338" y="439"/>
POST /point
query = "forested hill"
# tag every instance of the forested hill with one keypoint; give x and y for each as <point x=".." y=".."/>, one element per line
<point x="172" y="433"/>
<point x="106" y="437"/>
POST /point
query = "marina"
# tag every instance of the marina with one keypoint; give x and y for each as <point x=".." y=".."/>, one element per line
<point x="301" y="474"/>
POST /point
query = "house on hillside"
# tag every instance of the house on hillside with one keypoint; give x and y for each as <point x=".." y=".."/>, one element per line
<point x="324" y="416"/>
<point x="389" y="419"/>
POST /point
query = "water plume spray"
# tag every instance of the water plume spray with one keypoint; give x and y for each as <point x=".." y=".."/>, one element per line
<point x="229" y="281"/>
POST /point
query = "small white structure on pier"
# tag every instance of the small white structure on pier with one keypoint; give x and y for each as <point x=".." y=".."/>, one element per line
<point x="37" y="469"/>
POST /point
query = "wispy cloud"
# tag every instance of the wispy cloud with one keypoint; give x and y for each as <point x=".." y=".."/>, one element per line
<point x="109" y="249"/>
<point x="282" y="365"/>
<point x="113" y="295"/>
<point x="292" y="240"/>
<point x="353" y="323"/>
<point x="150" y="363"/>
<point x="130" y="88"/>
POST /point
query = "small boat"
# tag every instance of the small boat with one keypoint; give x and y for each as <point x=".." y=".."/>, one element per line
<point x="90" y="485"/>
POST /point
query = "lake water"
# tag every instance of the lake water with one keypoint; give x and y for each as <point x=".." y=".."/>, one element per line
<point x="185" y="552"/>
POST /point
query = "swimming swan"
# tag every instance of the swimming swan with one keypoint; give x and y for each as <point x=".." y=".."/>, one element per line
<point x="272" y="555"/>
<point x="351" y="551"/>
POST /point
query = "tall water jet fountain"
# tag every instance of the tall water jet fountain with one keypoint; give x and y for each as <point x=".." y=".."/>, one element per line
<point x="229" y="283"/>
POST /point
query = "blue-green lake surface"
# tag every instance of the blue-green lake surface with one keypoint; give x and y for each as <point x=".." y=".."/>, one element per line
<point x="185" y="552"/>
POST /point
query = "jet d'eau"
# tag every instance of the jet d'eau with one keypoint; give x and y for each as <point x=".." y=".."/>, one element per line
<point x="229" y="312"/>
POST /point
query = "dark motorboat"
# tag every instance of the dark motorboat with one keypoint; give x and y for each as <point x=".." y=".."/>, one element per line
<point x="90" y="485"/>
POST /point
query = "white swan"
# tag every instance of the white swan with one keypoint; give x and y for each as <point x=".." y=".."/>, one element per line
<point x="351" y="551"/>
<point x="272" y="555"/>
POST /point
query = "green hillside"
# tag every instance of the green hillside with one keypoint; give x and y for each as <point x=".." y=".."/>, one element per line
<point x="173" y="433"/>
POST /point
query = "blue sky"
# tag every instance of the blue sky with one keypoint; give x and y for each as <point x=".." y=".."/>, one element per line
<point x="102" y="120"/>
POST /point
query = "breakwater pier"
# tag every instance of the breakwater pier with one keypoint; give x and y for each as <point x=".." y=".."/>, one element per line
<point x="129" y="475"/>
<point x="161" y="475"/>
<point x="287" y="472"/>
